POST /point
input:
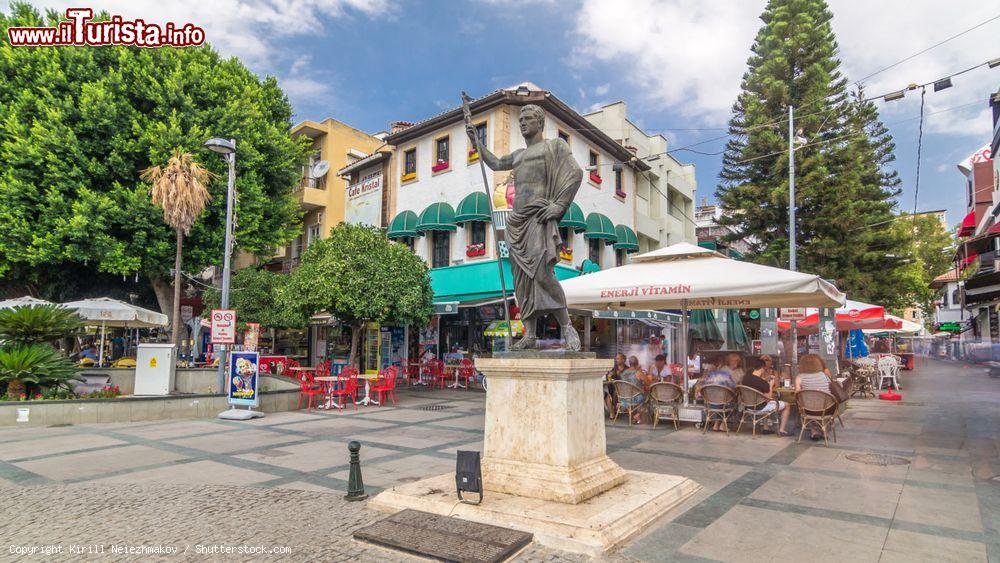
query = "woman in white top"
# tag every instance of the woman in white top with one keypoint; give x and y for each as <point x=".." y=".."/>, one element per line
<point x="812" y="376"/>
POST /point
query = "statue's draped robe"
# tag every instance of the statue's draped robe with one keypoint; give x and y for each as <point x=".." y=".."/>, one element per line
<point x="533" y="243"/>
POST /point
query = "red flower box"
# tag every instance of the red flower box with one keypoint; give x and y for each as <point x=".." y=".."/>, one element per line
<point x="620" y="194"/>
<point x="595" y="178"/>
<point x="473" y="250"/>
<point x="439" y="167"/>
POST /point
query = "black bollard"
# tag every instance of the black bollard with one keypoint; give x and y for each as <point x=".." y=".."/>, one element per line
<point x="355" y="486"/>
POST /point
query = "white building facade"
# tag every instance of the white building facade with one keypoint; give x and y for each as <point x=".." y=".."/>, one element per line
<point x="664" y="199"/>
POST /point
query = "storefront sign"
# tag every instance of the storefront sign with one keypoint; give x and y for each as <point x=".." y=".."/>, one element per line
<point x="223" y="326"/>
<point x="251" y="337"/>
<point x="793" y="314"/>
<point x="364" y="200"/>
<point x="243" y="379"/>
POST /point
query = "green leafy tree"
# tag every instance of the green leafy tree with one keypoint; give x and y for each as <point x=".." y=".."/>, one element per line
<point x="358" y="276"/>
<point x="844" y="184"/>
<point x="255" y="295"/>
<point x="928" y="255"/>
<point x="78" y="125"/>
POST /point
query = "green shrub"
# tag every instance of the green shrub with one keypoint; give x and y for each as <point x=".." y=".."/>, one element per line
<point x="37" y="324"/>
<point x="36" y="364"/>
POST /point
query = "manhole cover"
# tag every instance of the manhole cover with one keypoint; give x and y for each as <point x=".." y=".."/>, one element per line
<point x="436" y="407"/>
<point x="878" y="459"/>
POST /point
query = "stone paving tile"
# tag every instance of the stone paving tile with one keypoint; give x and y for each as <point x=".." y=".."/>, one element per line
<point x="97" y="463"/>
<point x="906" y="547"/>
<point x="235" y="441"/>
<point x="386" y="474"/>
<point x="335" y="426"/>
<point x="750" y="534"/>
<point x="408" y="415"/>
<point x="947" y="509"/>
<point x="54" y="444"/>
<point x="474" y="446"/>
<point x="311" y="456"/>
<point x="415" y="437"/>
<point x="856" y="496"/>
<point x="173" y="429"/>
<point x="829" y="459"/>
<point x="205" y="471"/>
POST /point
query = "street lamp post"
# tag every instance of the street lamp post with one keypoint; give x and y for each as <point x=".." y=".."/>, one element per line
<point x="227" y="148"/>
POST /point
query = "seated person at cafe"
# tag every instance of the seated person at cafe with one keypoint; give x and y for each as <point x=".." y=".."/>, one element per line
<point x="90" y="353"/>
<point x="812" y="376"/>
<point x="636" y="376"/>
<point x="765" y="370"/>
<point x="734" y="365"/>
<point x="659" y="371"/>
<point x="615" y="373"/>
<point x="694" y="364"/>
<point x="766" y="388"/>
<point x="717" y="377"/>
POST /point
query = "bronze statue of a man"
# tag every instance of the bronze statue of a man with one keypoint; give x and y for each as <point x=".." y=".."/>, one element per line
<point x="546" y="178"/>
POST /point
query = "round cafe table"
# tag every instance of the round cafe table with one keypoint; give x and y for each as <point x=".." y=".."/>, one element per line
<point x="367" y="400"/>
<point x="455" y="369"/>
<point x="328" y="380"/>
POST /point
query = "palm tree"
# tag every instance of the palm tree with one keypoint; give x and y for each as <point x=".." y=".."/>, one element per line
<point x="179" y="188"/>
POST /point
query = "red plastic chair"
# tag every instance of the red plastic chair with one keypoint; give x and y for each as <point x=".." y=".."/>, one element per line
<point x="322" y="369"/>
<point x="412" y="372"/>
<point x="438" y="373"/>
<point x="467" y="372"/>
<point x="308" y="387"/>
<point x="346" y="386"/>
<point x="385" y="385"/>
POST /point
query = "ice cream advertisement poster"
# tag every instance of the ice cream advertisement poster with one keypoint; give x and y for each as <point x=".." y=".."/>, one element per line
<point x="243" y="379"/>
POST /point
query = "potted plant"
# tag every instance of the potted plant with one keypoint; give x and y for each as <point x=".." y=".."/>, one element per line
<point x="27" y="356"/>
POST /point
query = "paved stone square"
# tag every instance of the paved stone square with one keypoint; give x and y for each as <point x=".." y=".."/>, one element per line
<point x="278" y="481"/>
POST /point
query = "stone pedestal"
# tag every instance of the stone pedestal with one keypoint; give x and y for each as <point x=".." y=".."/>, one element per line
<point x="545" y="466"/>
<point x="545" y="428"/>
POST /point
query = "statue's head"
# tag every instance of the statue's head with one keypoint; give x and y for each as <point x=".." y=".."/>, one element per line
<point x="532" y="120"/>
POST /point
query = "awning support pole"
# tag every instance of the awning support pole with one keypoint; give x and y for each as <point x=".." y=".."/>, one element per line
<point x="684" y="346"/>
<point x="100" y="359"/>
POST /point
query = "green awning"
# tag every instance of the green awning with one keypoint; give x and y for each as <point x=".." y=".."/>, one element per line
<point x="627" y="240"/>
<point x="573" y="218"/>
<point x="479" y="280"/>
<point x="600" y="227"/>
<point x="437" y="217"/>
<point x="403" y="225"/>
<point x="589" y="266"/>
<point x="475" y="207"/>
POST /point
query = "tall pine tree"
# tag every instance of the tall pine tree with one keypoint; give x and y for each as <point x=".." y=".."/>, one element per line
<point x="844" y="188"/>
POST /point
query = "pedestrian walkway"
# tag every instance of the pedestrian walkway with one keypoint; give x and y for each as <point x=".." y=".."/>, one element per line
<point x="279" y="480"/>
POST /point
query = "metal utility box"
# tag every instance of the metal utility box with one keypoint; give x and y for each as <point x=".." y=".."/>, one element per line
<point x="155" y="366"/>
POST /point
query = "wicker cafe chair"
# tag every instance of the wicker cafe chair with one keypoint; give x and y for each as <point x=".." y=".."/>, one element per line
<point x="631" y="397"/>
<point x="668" y="396"/>
<point x="861" y="382"/>
<point x="817" y="409"/>
<point x="720" y="403"/>
<point x="753" y="403"/>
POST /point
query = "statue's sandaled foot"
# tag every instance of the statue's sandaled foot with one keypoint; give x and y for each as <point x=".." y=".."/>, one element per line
<point x="572" y="338"/>
<point x="525" y="343"/>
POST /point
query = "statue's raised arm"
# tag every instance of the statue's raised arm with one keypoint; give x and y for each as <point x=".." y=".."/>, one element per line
<point x="492" y="161"/>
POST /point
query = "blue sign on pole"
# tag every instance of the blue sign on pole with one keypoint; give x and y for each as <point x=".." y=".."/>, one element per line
<point x="243" y="379"/>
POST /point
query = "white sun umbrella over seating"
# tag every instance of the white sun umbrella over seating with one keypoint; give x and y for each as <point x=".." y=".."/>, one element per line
<point x="684" y="276"/>
<point x="105" y="312"/>
<point x="26" y="301"/>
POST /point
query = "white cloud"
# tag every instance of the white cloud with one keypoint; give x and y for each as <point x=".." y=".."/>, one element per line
<point x="602" y="90"/>
<point x="252" y="30"/>
<point x="690" y="55"/>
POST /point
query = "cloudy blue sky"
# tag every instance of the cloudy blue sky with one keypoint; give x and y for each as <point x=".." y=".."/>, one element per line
<point x="677" y="63"/>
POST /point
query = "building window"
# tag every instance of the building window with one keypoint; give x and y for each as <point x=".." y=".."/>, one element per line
<point x="594" y="164"/>
<point x="619" y="258"/>
<point x="954" y="298"/>
<point x="409" y="164"/>
<point x="442" y="154"/>
<point x="619" y="186"/>
<point x="408" y="241"/>
<point x="475" y="239"/>
<point x="595" y="250"/>
<point x="440" y="249"/>
<point x="566" y="246"/>
<point x="312" y="235"/>
<point x="564" y="135"/>
<point x="296" y="249"/>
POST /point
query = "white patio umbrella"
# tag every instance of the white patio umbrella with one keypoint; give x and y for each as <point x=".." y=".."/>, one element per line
<point x="26" y="301"/>
<point x="105" y="312"/>
<point x="684" y="276"/>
